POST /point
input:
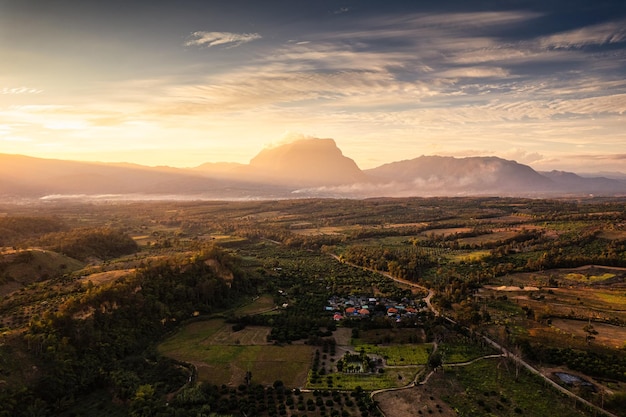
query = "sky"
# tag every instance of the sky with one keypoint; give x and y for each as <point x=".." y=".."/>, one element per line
<point x="184" y="82"/>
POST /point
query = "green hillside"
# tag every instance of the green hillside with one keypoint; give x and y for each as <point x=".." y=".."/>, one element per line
<point x="19" y="268"/>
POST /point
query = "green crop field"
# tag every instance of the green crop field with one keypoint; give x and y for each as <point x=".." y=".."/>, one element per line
<point x="398" y="355"/>
<point x="464" y="352"/>
<point x="489" y="387"/>
<point x="222" y="356"/>
<point x="588" y="278"/>
<point x="472" y="256"/>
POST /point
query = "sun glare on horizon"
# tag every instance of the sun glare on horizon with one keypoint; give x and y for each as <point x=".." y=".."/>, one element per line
<point x="198" y="83"/>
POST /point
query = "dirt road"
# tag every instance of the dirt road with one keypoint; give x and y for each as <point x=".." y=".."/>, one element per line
<point x="515" y="358"/>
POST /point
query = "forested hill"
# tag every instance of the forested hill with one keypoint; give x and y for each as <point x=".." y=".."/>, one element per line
<point x="96" y="338"/>
<point x="16" y="229"/>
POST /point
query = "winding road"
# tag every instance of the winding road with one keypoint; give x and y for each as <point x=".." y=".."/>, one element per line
<point x="505" y="352"/>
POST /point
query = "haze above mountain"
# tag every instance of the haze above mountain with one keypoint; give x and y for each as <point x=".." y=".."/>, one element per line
<point x="304" y="168"/>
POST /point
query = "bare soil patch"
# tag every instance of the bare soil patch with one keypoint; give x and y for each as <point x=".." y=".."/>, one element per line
<point x="342" y="336"/>
<point x="315" y="231"/>
<point x="608" y="335"/>
<point x="411" y="402"/>
<point x="108" y="276"/>
<point x="446" y="232"/>
<point x="510" y="288"/>
<point x="397" y="225"/>
<point x="249" y="336"/>
<point x="613" y="234"/>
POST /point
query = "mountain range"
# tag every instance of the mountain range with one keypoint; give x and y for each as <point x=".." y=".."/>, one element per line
<point x="304" y="168"/>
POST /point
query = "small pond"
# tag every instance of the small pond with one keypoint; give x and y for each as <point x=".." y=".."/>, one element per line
<point x="570" y="379"/>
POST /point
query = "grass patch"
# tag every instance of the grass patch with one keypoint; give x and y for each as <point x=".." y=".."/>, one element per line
<point x="460" y="353"/>
<point x="32" y="265"/>
<point x="504" y="306"/>
<point x="261" y="304"/>
<point x="614" y="298"/>
<point x="397" y="355"/>
<point x="472" y="256"/>
<point x="445" y="232"/>
<point x="391" y="378"/>
<point x="191" y="335"/>
<point x="588" y="278"/>
<point x="228" y="364"/>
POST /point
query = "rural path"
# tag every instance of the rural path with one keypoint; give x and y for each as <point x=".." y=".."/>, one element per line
<point x="505" y="352"/>
<point x="425" y="380"/>
<point x="431" y="373"/>
<point x="275" y="242"/>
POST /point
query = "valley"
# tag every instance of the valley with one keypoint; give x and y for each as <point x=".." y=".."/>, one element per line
<point x="313" y="307"/>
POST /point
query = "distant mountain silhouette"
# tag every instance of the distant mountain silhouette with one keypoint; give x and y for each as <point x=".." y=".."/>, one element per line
<point x="24" y="176"/>
<point x="306" y="162"/>
<point x="302" y="163"/>
<point x="473" y="175"/>
<point x="577" y="184"/>
<point x="304" y="168"/>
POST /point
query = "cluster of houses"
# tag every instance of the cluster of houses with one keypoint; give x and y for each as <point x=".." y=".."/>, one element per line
<point x="364" y="307"/>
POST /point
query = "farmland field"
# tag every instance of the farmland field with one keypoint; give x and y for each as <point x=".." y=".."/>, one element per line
<point x="398" y="355"/>
<point x="489" y="387"/>
<point x="390" y="336"/>
<point x="222" y="356"/>
<point x="464" y="352"/>
<point x="261" y="304"/>
<point x="391" y="378"/>
<point x="608" y="335"/>
<point x="488" y="238"/>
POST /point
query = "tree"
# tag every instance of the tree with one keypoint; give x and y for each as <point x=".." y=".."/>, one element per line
<point x="143" y="404"/>
<point x="591" y="332"/>
<point x="435" y="360"/>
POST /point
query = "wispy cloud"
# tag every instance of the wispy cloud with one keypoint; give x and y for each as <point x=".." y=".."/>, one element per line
<point x="602" y="157"/>
<point x="606" y="33"/>
<point x="229" y="39"/>
<point x="446" y="22"/>
<point x="20" y="90"/>
<point x="475" y="72"/>
<point x="523" y="156"/>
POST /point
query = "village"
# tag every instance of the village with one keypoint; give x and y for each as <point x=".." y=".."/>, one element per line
<point x="362" y="307"/>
